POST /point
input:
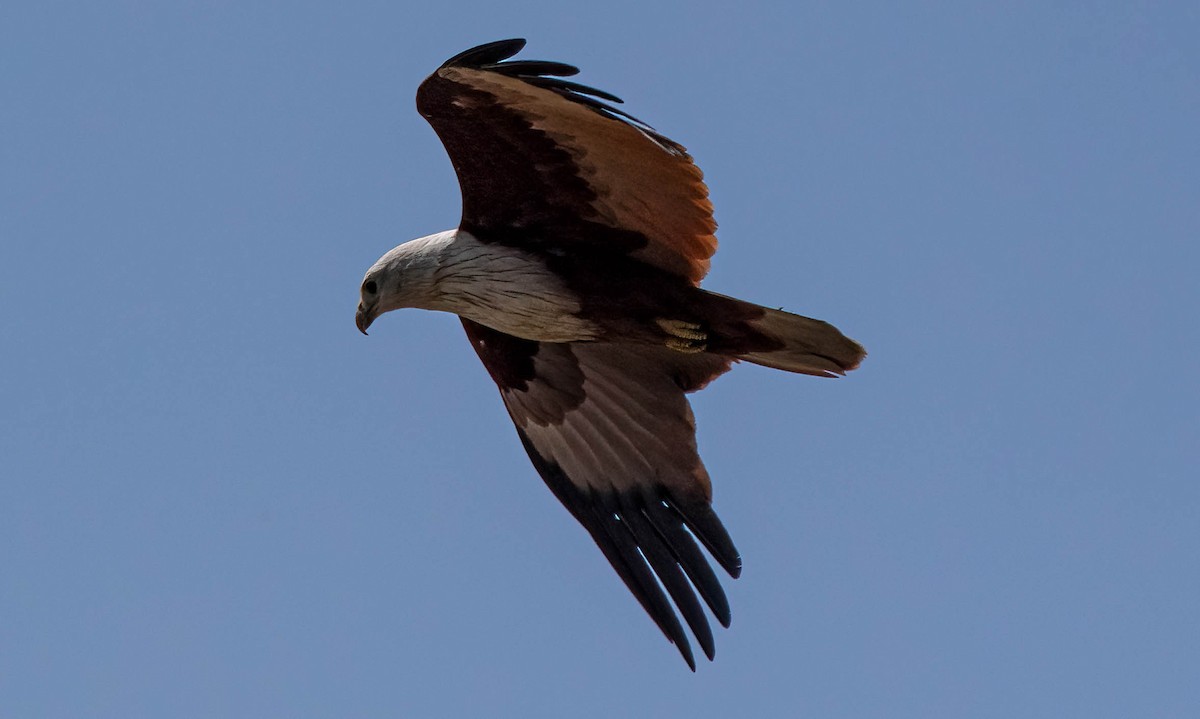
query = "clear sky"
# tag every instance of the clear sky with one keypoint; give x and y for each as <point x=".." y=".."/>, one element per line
<point x="217" y="499"/>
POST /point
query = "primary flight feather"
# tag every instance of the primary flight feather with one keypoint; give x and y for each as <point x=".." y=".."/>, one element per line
<point x="575" y="270"/>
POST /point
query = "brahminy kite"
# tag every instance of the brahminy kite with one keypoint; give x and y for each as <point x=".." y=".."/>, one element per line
<point x="575" y="270"/>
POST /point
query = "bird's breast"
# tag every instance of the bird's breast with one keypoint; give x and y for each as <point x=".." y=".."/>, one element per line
<point x="510" y="290"/>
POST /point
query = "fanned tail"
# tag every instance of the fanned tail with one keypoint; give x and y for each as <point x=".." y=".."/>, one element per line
<point x="780" y="340"/>
<point x="809" y="346"/>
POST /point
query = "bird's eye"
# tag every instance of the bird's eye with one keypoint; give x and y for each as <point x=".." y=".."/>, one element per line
<point x="370" y="287"/>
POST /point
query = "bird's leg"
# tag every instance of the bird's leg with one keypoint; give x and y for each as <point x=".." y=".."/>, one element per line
<point x="683" y="336"/>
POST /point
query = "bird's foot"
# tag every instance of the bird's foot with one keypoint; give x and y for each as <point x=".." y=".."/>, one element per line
<point x="684" y="336"/>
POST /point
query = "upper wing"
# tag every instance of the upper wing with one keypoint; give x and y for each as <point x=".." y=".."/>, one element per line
<point x="609" y="429"/>
<point x="545" y="161"/>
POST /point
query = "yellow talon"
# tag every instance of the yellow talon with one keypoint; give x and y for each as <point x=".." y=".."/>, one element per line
<point x="686" y="346"/>
<point x="682" y="330"/>
<point x="683" y="336"/>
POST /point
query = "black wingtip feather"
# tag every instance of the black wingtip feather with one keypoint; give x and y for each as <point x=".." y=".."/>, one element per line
<point x="487" y="54"/>
<point x="649" y="538"/>
<point x="704" y="523"/>
<point x="664" y="563"/>
<point x="533" y="68"/>
<point x="554" y="83"/>
<point x="633" y="566"/>
<point x="670" y="527"/>
<point x="545" y="74"/>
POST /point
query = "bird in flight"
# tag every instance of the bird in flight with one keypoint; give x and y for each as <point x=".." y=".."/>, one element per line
<point x="575" y="270"/>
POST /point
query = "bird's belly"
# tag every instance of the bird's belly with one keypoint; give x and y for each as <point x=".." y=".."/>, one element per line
<point x="514" y="292"/>
<point x="531" y="316"/>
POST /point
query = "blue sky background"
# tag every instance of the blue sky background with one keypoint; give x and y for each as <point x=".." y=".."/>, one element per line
<point x="218" y="499"/>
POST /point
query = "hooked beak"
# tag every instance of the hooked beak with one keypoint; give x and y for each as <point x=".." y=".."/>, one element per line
<point x="363" y="318"/>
